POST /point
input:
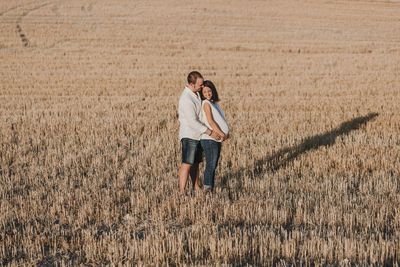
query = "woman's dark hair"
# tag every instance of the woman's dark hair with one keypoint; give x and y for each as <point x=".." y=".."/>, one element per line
<point x="210" y="85"/>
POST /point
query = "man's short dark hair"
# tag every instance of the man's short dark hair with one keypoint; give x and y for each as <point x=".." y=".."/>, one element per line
<point x="193" y="76"/>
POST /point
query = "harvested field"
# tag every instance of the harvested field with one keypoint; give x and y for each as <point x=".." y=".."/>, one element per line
<point x="89" y="149"/>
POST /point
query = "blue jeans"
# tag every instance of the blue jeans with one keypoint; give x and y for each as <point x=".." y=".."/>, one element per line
<point x="212" y="150"/>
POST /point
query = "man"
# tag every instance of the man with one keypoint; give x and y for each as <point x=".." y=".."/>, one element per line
<point x="190" y="130"/>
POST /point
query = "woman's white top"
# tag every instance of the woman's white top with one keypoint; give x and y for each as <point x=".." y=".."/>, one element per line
<point x="218" y="117"/>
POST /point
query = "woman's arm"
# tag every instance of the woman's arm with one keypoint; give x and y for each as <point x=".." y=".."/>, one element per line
<point x="210" y="119"/>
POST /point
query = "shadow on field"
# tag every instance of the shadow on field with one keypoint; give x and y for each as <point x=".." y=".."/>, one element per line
<point x="284" y="156"/>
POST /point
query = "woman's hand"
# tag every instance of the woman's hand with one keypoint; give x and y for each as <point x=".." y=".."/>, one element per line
<point x="224" y="137"/>
<point x="215" y="135"/>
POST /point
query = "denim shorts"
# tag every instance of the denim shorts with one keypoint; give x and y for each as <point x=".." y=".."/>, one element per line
<point x="192" y="152"/>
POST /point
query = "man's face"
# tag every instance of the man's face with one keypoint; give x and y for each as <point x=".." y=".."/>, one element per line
<point x="199" y="84"/>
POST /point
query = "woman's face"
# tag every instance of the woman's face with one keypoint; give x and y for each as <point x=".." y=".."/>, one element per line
<point x="207" y="93"/>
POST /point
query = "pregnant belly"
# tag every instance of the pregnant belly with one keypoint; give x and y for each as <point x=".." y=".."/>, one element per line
<point x="224" y="126"/>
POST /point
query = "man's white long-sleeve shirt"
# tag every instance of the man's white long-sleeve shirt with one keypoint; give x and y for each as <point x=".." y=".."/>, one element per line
<point x="189" y="115"/>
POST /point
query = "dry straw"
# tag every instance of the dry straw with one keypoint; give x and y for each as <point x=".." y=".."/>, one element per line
<point x="89" y="147"/>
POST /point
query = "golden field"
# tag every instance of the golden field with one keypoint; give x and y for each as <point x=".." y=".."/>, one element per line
<point x="89" y="149"/>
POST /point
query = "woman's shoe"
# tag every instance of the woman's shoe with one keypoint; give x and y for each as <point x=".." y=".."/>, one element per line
<point x="208" y="191"/>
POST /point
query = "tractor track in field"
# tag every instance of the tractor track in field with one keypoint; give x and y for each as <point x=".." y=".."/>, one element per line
<point x="12" y="9"/>
<point x="19" y="21"/>
<point x="24" y="39"/>
<point x="25" y="12"/>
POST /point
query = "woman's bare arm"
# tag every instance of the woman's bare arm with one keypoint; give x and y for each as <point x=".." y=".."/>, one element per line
<point x="210" y="119"/>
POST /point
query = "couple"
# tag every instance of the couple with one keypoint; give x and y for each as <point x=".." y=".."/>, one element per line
<point x="202" y="128"/>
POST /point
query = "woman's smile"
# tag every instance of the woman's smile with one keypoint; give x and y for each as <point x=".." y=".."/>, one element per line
<point x="207" y="93"/>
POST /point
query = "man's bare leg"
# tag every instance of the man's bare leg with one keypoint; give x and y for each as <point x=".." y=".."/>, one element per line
<point x="183" y="176"/>
<point x="194" y="174"/>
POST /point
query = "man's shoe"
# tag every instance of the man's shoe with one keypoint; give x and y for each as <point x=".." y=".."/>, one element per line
<point x="193" y="193"/>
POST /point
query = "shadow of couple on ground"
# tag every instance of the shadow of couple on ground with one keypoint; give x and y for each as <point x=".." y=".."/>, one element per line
<point x="284" y="156"/>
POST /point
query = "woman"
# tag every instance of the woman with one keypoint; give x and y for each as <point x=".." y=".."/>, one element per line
<point x="213" y="118"/>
